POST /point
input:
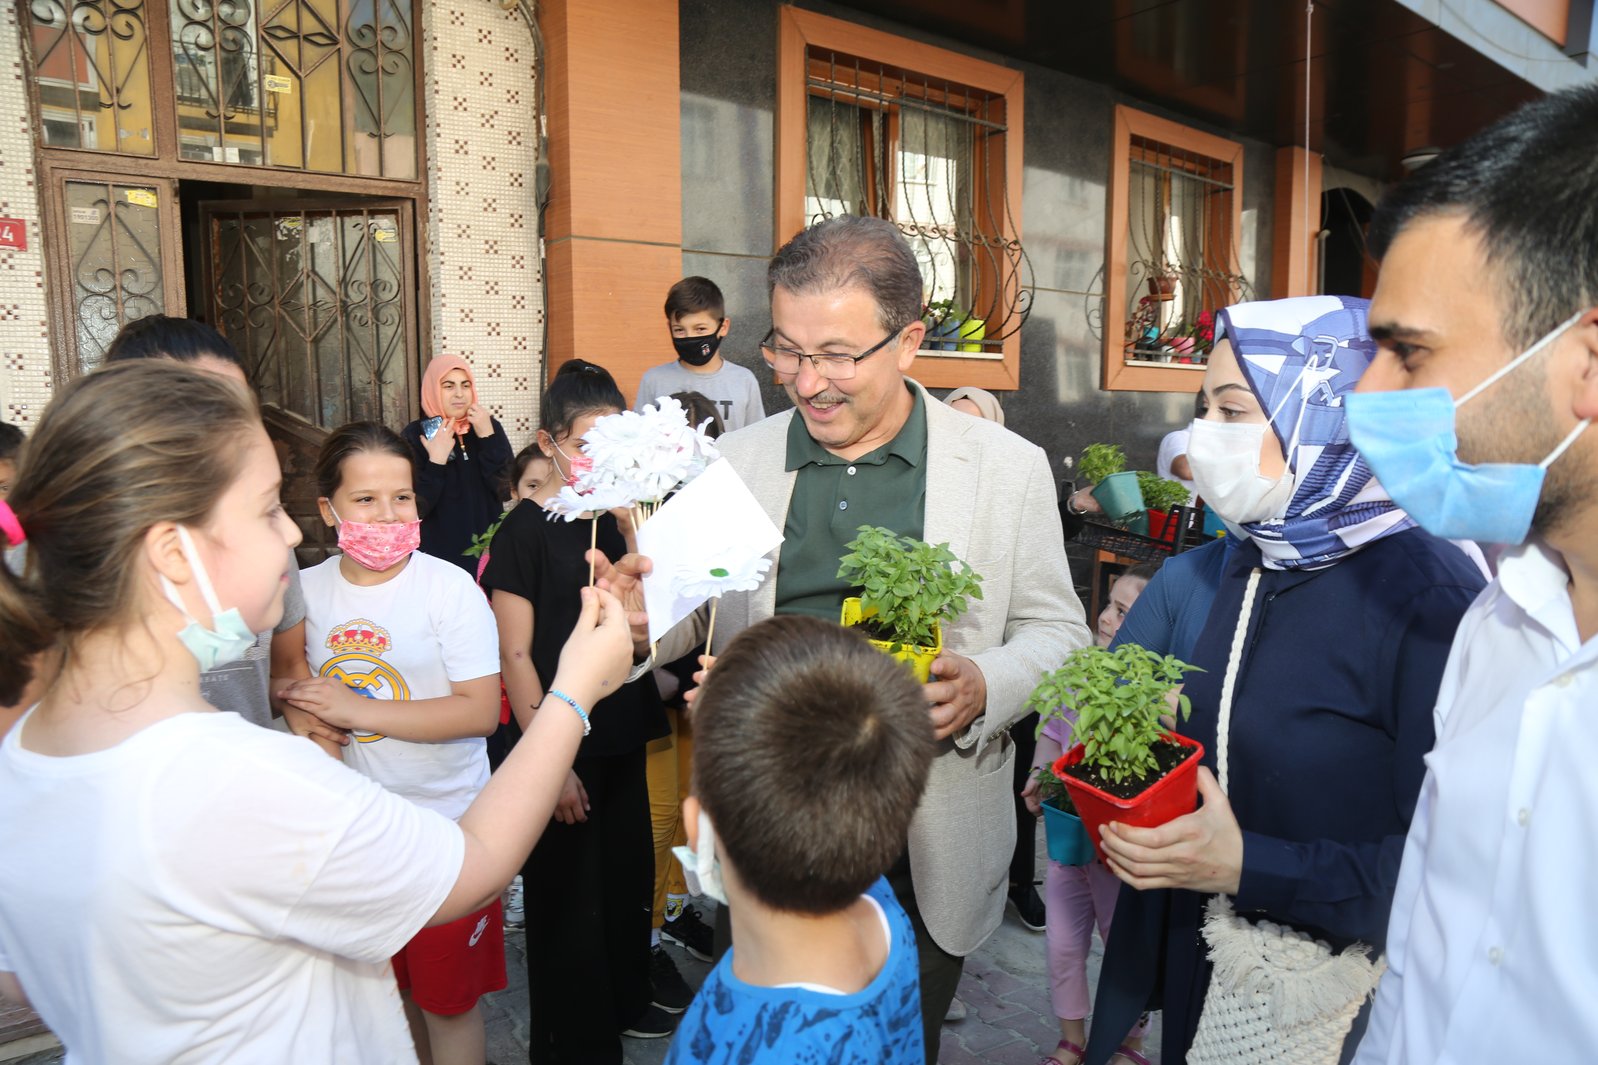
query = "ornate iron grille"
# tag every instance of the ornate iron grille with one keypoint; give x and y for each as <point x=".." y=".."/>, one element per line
<point x="324" y="85"/>
<point x="318" y="304"/>
<point x="929" y="156"/>
<point x="91" y="71"/>
<point x="114" y="249"/>
<point x="1180" y="249"/>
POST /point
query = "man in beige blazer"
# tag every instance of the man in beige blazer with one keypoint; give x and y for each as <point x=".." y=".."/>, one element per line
<point x="867" y="445"/>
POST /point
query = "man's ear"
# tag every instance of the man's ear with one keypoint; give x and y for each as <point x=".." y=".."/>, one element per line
<point x="690" y="820"/>
<point x="1585" y="399"/>
<point x="910" y="344"/>
<point x="726" y="326"/>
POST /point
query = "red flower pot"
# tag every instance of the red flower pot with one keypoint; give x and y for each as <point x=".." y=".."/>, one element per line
<point x="1159" y="524"/>
<point x="1174" y="794"/>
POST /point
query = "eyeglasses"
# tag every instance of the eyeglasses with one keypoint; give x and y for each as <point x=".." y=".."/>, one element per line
<point x="831" y="367"/>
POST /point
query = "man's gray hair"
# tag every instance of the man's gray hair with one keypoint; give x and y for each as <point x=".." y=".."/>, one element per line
<point x="853" y="251"/>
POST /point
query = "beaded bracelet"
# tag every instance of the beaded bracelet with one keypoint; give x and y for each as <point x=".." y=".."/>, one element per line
<point x="569" y="701"/>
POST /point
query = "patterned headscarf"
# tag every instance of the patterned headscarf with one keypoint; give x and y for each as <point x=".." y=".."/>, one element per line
<point x="433" y="388"/>
<point x="1300" y="357"/>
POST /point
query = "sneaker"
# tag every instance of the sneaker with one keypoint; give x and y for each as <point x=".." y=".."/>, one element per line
<point x="667" y="988"/>
<point x="515" y="915"/>
<point x="690" y="932"/>
<point x="1028" y="906"/>
<point x="956" y="1012"/>
<point x="656" y="1023"/>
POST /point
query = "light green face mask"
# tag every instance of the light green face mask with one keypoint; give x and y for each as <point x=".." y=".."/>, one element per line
<point x="700" y="867"/>
<point x="230" y="638"/>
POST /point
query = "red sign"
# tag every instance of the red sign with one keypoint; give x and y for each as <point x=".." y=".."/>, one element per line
<point x="13" y="234"/>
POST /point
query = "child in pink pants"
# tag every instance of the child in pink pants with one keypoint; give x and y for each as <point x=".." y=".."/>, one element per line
<point x="1078" y="897"/>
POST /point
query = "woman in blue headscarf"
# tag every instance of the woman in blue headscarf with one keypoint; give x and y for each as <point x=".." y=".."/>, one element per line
<point x="1321" y="652"/>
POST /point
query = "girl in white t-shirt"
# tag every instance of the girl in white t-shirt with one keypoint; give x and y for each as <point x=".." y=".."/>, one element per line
<point x="405" y="656"/>
<point x="180" y="886"/>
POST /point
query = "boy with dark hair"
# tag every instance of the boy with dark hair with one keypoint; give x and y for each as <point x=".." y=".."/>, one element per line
<point x="812" y="752"/>
<point x="696" y="314"/>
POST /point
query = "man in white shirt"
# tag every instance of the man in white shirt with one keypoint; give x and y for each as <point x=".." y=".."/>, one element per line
<point x="1486" y="313"/>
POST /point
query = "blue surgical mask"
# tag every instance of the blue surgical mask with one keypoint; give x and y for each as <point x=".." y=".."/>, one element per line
<point x="701" y="869"/>
<point x="1408" y="437"/>
<point x="229" y="638"/>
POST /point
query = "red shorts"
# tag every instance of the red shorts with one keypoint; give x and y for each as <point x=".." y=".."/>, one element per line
<point x="447" y="968"/>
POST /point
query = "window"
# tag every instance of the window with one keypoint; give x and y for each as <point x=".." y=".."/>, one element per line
<point x="876" y="125"/>
<point x="92" y="59"/>
<point x="1175" y="199"/>
<point x="324" y="86"/>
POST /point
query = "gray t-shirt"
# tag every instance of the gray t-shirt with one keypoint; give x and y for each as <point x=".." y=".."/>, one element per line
<point x="733" y="390"/>
<point x="242" y="686"/>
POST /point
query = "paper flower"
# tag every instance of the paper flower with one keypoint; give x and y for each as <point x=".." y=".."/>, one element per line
<point x="636" y="457"/>
<point x="571" y="503"/>
<point x="720" y="576"/>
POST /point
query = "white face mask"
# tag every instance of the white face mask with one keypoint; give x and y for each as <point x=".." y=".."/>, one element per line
<point x="229" y="638"/>
<point x="700" y="867"/>
<point x="1226" y="468"/>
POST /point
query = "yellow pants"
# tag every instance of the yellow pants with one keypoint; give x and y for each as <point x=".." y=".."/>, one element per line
<point x="670" y="765"/>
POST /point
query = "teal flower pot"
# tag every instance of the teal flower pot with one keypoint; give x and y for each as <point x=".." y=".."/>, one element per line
<point x="1213" y="525"/>
<point x="1120" y="496"/>
<point x="1067" y="839"/>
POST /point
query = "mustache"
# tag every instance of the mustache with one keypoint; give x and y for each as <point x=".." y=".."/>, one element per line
<point x="825" y="396"/>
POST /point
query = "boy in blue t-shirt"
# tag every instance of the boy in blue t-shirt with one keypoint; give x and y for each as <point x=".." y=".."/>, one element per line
<point x="811" y="752"/>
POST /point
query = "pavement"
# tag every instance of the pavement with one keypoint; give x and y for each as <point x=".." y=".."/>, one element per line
<point x="1005" y="988"/>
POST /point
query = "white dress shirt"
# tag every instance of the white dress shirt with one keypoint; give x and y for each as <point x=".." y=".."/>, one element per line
<point x="1493" y="943"/>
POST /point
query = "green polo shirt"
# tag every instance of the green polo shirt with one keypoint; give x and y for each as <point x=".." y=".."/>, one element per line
<point x="832" y="498"/>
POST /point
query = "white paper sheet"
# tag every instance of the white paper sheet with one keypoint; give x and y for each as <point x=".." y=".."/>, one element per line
<point x="714" y="522"/>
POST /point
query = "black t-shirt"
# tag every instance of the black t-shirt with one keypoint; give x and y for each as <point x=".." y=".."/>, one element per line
<point x="539" y="556"/>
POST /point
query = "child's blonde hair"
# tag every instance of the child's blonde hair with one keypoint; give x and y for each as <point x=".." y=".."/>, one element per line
<point x="116" y="452"/>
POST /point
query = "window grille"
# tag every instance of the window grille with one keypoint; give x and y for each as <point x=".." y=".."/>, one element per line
<point x="928" y="155"/>
<point x="1181" y="245"/>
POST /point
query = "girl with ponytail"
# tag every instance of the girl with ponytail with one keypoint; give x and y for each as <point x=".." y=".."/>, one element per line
<point x="178" y="884"/>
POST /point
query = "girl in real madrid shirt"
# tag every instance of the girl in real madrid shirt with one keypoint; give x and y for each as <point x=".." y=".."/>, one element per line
<point x="404" y="652"/>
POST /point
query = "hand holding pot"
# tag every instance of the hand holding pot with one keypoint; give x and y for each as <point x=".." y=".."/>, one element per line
<point x="1200" y="851"/>
<point x="1029" y="795"/>
<point x="957" y="696"/>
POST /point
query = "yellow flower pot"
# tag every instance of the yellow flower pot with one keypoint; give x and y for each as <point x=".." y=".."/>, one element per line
<point x="918" y="659"/>
<point x="972" y="330"/>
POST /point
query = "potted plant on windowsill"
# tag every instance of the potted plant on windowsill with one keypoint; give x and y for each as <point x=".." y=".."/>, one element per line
<point x="972" y="331"/>
<point x="909" y="590"/>
<point x="943" y="320"/>
<point x="1162" y="286"/>
<point x="1160" y="497"/>
<point x="1104" y="467"/>
<point x="1126" y="765"/>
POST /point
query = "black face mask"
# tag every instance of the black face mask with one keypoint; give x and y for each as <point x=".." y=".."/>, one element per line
<point x="696" y="351"/>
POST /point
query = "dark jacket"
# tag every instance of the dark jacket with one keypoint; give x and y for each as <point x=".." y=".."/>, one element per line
<point x="459" y="499"/>
<point x="1331" y="719"/>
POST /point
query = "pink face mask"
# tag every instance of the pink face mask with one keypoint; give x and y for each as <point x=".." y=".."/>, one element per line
<point x="377" y="545"/>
